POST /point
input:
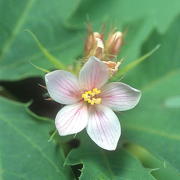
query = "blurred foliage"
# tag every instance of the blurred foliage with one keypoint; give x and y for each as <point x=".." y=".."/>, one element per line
<point x="152" y="127"/>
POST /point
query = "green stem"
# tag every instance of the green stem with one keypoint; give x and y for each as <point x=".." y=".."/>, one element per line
<point x="46" y="53"/>
<point x="52" y="136"/>
<point x="130" y="66"/>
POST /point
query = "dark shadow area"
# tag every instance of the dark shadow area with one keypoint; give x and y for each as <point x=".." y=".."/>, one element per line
<point x="75" y="143"/>
<point x="77" y="170"/>
<point x="31" y="90"/>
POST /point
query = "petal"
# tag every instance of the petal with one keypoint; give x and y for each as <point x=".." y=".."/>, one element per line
<point x="63" y="87"/>
<point x="119" y="96"/>
<point x="71" y="119"/>
<point x="93" y="74"/>
<point x="104" y="127"/>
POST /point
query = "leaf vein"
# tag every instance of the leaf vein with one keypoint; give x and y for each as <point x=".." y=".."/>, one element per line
<point x="33" y="144"/>
<point x="17" y="28"/>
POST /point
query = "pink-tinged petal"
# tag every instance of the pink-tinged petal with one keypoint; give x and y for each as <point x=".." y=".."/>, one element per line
<point x="119" y="96"/>
<point x="93" y="74"/>
<point x="104" y="127"/>
<point x="71" y="119"/>
<point x="62" y="87"/>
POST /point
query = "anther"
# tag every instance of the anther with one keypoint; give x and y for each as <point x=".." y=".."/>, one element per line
<point x="90" y="96"/>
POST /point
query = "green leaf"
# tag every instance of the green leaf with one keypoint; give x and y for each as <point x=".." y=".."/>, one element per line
<point x="40" y="68"/>
<point x="161" y="168"/>
<point x="164" y="61"/>
<point x="57" y="64"/>
<point x="123" y="11"/>
<point x="44" y="19"/>
<point x="100" y="164"/>
<point x="25" y="152"/>
<point x="136" y="18"/>
<point x="173" y="102"/>
<point x="133" y="64"/>
<point x="154" y="124"/>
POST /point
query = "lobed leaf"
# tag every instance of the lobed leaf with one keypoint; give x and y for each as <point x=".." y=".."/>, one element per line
<point x="24" y="147"/>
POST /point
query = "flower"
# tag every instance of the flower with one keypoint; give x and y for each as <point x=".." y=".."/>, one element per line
<point x="90" y="102"/>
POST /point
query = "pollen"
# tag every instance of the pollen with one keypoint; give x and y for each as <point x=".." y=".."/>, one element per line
<point x="91" y="96"/>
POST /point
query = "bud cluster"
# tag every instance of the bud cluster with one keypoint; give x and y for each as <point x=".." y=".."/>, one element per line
<point x="104" y="50"/>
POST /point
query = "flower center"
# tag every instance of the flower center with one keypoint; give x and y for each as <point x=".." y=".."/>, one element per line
<point x="91" y="96"/>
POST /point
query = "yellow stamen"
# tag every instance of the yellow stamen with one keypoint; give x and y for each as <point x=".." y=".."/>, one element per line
<point x="90" y="96"/>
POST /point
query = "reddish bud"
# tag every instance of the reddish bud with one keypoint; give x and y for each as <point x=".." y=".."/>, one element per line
<point x="94" y="45"/>
<point x="113" y="44"/>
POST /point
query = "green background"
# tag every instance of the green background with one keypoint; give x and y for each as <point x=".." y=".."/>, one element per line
<point x="150" y="144"/>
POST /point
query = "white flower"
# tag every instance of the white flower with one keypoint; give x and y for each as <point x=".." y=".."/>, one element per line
<point x="90" y="102"/>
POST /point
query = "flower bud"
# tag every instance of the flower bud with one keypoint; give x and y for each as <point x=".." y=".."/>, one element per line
<point x="113" y="44"/>
<point x="92" y="42"/>
<point x="99" y="48"/>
